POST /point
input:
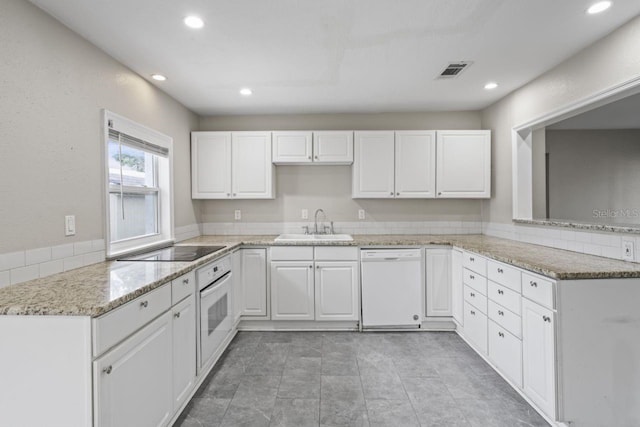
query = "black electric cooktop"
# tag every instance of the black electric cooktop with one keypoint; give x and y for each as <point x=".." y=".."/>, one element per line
<point x="174" y="253"/>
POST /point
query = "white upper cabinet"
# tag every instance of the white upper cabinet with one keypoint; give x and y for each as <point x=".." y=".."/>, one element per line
<point x="391" y="164"/>
<point x="226" y="165"/>
<point x="317" y="148"/>
<point x="292" y="147"/>
<point x="211" y="165"/>
<point x="463" y="164"/>
<point x="333" y="147"/>
<point x="373" y="165"/>
<point x="415" y="164"/>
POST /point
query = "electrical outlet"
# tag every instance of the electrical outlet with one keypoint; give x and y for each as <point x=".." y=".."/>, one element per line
<point x="305" y="214"/>
<point x="70" y="225"/>
<point x="628" y="252"/>
<point x="361" y="214"/>
<point x="237" y="215"/>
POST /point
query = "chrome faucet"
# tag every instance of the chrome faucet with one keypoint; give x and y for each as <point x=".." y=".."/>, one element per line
<point x="315" y="216"/>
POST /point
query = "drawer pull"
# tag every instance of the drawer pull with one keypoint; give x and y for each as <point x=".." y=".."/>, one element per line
<point x="472" y="277"/>
<point x="500" y="292"/>
<point x="472" y="294"/>
<point x="473" y="312"/>
<point x="533" y="284"/>
<point x="311" y="266"/>
<point x="177" y="315"/>
<point x="500" y="334"/>
<point x="500" y="313"/>
<point x="185" y="281"/>
<point x="546" y="319"/>
<point x="144" y="304"/>
<point x="500" y="271"/>
<point x="472" y="259"/>
<point x="107" y="370"/>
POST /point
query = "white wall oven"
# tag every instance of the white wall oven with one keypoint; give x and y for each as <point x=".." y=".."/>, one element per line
<point x="216" y="309"/>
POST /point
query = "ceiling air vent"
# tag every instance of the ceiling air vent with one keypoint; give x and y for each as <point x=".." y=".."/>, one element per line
<point x="454" y="69"/>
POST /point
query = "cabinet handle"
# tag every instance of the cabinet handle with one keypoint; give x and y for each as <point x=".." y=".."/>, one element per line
<point x="234" y="194"/>
<point x="311" y="266"/>
<point x="317" y="267"/>
<point x="144" y="304"/>
<point x="316" y="157"/>
<point x="473" y="312"/>
<point x="500" y="313"/>
<point x="546" y="319"/>
<point x="309" y="157"/>
<point x="472" y="277"/>
<point x="500" y="334"/>
<point x="500" y="292"/>
<point x="500" y="271"/>
<point x="107" y="370"/>
<point x="472" y="259"/>
<point x="533" y="284"/>
<point x="397" y="194"/>
<point x="228" y="194"/>
<point x="472" y="294"/>
<point x="439" y="194"/>
<point x="177" y="315"/>
<point x="391" y="193"/>
<point x="185" y="281"/>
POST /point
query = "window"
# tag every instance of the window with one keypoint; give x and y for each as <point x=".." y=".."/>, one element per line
<point x="138" y="182"/>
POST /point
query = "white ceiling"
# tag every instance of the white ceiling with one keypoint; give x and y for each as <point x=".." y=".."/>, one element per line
<point x="621" y="114"/>
<point x="313" y="56"/>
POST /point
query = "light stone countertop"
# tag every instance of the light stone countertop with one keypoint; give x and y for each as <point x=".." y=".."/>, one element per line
<point x="99" y="288"/>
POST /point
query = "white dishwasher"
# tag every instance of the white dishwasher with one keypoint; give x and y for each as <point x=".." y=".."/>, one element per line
<point x="391" y="287"/>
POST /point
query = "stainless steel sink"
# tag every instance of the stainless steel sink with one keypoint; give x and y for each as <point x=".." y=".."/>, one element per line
<point x="314" y="238"/>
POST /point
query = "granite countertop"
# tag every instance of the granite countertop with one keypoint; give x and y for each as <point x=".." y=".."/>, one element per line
<point x="99" y="288"/>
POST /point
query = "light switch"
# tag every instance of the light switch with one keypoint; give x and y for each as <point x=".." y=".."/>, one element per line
<point x="628" y="253"/>
<point x="305" y="214"/>
<point x="237" y="215"/>
<point x="361" y="214"/>
<point x="70" y="225"/>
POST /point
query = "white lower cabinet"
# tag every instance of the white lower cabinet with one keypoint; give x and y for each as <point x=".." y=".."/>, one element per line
<point x="505" y="351"/>
<point x="538" y="339"/>
<point x="457" y="291"/>
<point x="475" y="327"/>
<point x="336" y="290"/>
<point x="184" y="350"/>
<point x="292" y="293"/>
<point x="236" y="283"/>
<point x="132" y="382"/>
<point x="438" y="283"/>
<point x="254" y="282"/>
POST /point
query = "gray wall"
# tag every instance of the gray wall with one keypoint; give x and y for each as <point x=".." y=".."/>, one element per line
<point x="594" y="169"/>
<point x="608" y="62"/>
<point x="53" y="85"/>
<point x="329" y="187"/>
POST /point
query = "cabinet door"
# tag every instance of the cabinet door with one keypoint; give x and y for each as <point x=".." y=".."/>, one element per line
<point x="438" y="282"/>
<point x="475" y="327"/>
<point x="463" y="164"/>
<point x="184" y="350"/>
<point x="373" y="165"/>
<point x="457" y="292"/>
<point x="254" y="282"/>
<point x="292" y="147"/>
<point x="292" y="290"/>
<point x="538" y="355"/>
<point x="336" y="289"/>
<point x="415" y="164"/>
<point x="252" y="169"/>
<point x="505" y="351"/>
<point x="333" y="147"/>
<point x="210" y="165"/>
<point x="132" y="383"/>
<point x="236" y="280"/>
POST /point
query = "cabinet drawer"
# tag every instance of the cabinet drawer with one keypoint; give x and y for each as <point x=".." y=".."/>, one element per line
<point x="475" y="327"/>
<point x="476" y="281"/>
<point x="476" y="299"/>
<point x="505" y="318"/>
<point x="116" y="325"/>
<point x="475" y="263"/>
<point x="504" y="274"/>
<point x="505" y="297"/>
<point x="336" y="253"/>
<point x="538" y="290"/>
<point x="505" y="351"/>
<point x="292" y="253"/>
<point x="182" y="287"/>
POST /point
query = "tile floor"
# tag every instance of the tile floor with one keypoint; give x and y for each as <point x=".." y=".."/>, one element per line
<point x="354" y="379"/>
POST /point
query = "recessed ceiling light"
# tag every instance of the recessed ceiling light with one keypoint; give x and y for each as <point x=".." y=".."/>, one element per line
<point x="601" y="6"/>
<point x="193" y="22"/>
<point x="491" y="85"/>
<point x="158" y="77"/>
<point x="245" y="91"/>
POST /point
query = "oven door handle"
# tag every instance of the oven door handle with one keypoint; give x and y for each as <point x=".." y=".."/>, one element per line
<point x="214" y="286"/>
